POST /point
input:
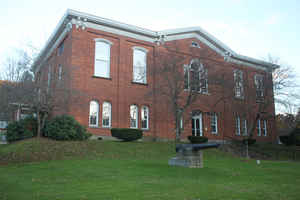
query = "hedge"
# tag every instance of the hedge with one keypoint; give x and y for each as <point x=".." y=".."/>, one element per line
<point x="127" y="134"/>
<point x="197" y="139"/>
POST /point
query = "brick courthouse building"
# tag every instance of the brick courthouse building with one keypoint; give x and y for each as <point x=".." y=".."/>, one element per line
<point x="103" y="59"/>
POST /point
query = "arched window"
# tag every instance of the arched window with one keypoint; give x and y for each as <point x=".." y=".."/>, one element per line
<point x="94" y="113"/>
<point x="139" y="65"/>
<point x="195" y="77"/>
<point x="133" y="116"/>
<point x="145" y="117"/>
<point x="102" y="58"/>
<point x="106" y="114"/>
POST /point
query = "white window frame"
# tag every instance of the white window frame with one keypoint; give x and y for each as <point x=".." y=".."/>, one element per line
<point x="109" y="114"/>
<point x="237" y="125"/>
<point x="238" y="83"/>
<point x="265" y="132"/>
<point x="97" y="114"/>
<point x="258" y="128"/>
<point x="147" y="117"/>
<point x="107" y="60"/>
<point x="214" y="122"/>
<point x="131" y="116"/>
<point x="135" y="68"/>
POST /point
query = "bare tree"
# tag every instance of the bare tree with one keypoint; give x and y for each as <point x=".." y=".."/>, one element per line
<point x="43" y="92"/>
<point x="286" y="88"/>
<point x="180" y="82"/>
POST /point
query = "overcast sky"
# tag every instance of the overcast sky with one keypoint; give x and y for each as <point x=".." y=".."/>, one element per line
<point x="251" y="28"/>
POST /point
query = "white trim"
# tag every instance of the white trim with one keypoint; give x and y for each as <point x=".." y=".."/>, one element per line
<point x="140" y="48"/>
<point x="120" y="32"/>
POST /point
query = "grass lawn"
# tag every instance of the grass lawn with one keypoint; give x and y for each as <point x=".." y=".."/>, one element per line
<point x="118" y="170"/>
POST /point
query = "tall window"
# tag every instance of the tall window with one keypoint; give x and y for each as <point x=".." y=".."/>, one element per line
<point x="259" y="86"/>
<point x="265" y="127"/>
<point x="133" y="116"/>
<point x="94" y="113"/>
<point x="237" y="126"/>
<point x="258" y="128"/>
<point x="59" y="72"/>
<point x="102" y="58"/>
<point x="145" y="117"/>
<point x="238" y="84"/>
<point x="244" y="127"/>
<point x="139" y="65"/>
<point x="195" y="77"/>
<point x="106" y="114"/>
<point x="214" y="123"/>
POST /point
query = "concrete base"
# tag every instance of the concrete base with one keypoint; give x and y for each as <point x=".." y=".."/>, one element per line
<point x="188" y="159"/>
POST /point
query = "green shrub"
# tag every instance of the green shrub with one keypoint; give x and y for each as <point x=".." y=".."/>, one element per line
<point x="250" y="141"/>
<point x="127" y="134"/>
<point x="197" y="139"/>
<point x="65" y="127"/>
<point x="285" y="139"/>
<point x="294" y="137"/>
<point x="22" y="129"/>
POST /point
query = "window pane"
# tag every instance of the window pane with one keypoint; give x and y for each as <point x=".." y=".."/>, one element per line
<point x="139" y="58"/>
<point x="102" y="51"/>
<point x="94" y="109"/>
<point x="133" y="116"/>
<point x="101" y="68"/>
<point x="106" y="114"/>
<point x="139" y="66"/>
<point x="144" y="116"/>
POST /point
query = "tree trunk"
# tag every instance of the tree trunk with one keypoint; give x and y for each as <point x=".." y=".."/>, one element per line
<point x="38" y="125"/>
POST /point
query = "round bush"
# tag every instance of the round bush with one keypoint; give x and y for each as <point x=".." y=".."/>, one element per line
<point x="22" y="129"/>
<point x="197" y="139"/>
<point x="127" y="134"/>
<point x="250" y="141"/>
<point x="65" y="127"/>
<point x="285" y="139"/>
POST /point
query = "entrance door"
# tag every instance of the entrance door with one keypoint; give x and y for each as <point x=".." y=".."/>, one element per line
<point x="197" y="125"/>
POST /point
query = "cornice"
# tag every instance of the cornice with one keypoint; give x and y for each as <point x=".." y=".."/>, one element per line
<point x="83" y="20"/>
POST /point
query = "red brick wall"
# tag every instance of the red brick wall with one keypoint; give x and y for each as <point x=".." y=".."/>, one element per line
<point x="78" y="58"/>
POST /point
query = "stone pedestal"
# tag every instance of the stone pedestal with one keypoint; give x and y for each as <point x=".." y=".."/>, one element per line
<point x="188" y="158"/>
